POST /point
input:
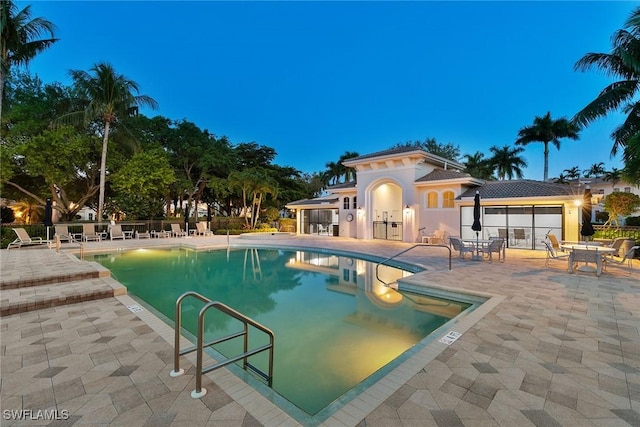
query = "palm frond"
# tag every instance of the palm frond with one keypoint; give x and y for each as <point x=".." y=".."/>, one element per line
<point x="609" y="100"/>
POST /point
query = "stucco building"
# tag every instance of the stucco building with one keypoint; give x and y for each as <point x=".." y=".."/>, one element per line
<point x="405" y="193"/>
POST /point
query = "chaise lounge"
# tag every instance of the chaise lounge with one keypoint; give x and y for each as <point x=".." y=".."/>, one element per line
<point x="23" y="239"/>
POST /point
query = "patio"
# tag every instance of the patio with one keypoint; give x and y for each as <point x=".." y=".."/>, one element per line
<point x="553" y="349"/>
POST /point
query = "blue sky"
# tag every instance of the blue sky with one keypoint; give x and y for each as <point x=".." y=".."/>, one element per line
<point x="315" y="79"/>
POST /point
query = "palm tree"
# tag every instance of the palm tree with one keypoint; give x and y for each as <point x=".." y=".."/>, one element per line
<point x="561" y="179"/>
<point x="595" y="170"/>
<point x="573" y="173"/>
<point x="333" y="172"/>
<point x="20" y="39"/>
<point x="614" y="176"/>
<point x="507" y="161"/>
<point x="107" y="96"/>
<point x="546" y="130"/>
<point x="623" y="63"/>
<point x="349" y="173"/>
<point x="478" y="166"/>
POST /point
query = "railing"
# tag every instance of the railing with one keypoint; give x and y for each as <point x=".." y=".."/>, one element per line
<point x="407" y="250"/>
<point x="199" y="347"/>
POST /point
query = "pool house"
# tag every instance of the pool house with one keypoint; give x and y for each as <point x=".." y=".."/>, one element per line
<point x="405" y="193"/>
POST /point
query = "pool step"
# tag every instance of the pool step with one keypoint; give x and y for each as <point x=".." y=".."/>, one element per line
<point x="50" y="280"/>
<point x="25" y="299"/>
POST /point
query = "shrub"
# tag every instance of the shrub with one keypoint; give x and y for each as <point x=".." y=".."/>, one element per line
<point x="633" y="221"/>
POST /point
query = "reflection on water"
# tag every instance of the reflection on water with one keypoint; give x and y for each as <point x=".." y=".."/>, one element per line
<point x="335" y="324"/>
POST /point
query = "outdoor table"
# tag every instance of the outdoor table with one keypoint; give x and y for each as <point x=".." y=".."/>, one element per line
<point x="476" y="244"/>
<point x="591" y="247"/>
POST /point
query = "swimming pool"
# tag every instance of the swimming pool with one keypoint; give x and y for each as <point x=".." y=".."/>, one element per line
<point x="335" y="323"/>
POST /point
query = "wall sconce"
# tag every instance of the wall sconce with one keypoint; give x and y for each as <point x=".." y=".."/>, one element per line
<point x="407" y="209"/>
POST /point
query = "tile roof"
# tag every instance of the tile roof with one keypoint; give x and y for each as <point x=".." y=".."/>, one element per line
<point x="350" y="184"/>
<point x="518" y="188"/>
<point x="389" y="152"/>
<point x="440" y="174"/>
<point x="319" y="201"/>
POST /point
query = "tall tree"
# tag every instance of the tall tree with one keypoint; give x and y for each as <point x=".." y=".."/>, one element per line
<point x="613" y="176"/>
<point x="507" y="161"/>
<point x="20" y="39"/>
<point x="478" y="166"/>
<point x="107" y="96"/>
<point x="595" y="170"/>
<point x="430" y="145"/>
<point x="545" y="129"/>
<point x="572" y="173"/>
<point x="348" y="173"/>
<point x="623" y="63"/>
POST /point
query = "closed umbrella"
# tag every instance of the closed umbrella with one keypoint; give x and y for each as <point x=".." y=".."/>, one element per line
<point x="587" y="228"/>
<point x="477" y="227"/>
<point x="186" y="219"/>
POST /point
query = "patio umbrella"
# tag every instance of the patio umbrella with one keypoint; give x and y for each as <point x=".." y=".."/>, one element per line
<point x="48" y="215"/>
<point x="587" y="228"/>
<point x="186" y="219"/>
<point x="477" y="227"/>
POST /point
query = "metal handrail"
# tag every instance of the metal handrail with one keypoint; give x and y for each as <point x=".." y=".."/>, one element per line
<point x="199" y="347"/>
<point x="407" y="250"/>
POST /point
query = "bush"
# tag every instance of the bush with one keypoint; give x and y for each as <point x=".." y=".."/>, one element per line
<point x="6" y="215"/>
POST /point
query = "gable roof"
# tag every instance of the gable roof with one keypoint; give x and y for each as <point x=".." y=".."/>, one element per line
<point x="407" y="151"/>
<point x="518" y="188"/>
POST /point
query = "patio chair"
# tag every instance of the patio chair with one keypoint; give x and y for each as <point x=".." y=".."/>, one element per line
<point x="496" y="246"/>
<point x="177" y="231"/>
<point x="461" y="247"/>
<point x="62" y="233"/>
<point x="201" y="229"/>
<point x="628" y="258"/>
<point x="89" y="233"/>
<point x="555" y="244"/>
<point x="143" y="234"/>
<point x="519" y="234"/>
<point x="116" y="232"/>
<point x="585" y="255"/>
<point x="552" y="254"/>
<point x="502" y="233"/>
<point x="23" y="239"/>
<point x="435" y="238"/>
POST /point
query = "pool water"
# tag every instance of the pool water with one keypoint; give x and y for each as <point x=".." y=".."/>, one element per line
<point x="335" y="323"/>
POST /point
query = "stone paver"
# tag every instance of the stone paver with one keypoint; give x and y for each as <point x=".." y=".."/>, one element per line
<point x="549" y="349"/>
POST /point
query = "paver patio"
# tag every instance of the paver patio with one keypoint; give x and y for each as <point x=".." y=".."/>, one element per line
<point x="553" y="349"/>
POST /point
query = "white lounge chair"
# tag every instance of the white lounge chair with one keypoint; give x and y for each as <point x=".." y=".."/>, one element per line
<point x="23" y="239"/>
<point x="177" y="231"/>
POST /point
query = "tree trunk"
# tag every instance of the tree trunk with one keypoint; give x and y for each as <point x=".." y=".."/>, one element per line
<point x="103" y="169"/>
<point x="546" y="161"/>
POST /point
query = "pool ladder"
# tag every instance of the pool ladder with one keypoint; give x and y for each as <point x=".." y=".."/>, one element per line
<point x="199" y="347"/>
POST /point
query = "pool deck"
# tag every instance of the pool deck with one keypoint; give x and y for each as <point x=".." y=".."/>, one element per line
<point x="549" y="348"/>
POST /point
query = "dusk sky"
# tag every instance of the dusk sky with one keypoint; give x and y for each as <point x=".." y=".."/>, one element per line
<point x="316" y="79"/>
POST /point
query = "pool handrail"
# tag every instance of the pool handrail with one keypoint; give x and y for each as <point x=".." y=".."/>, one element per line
<point x="407" y="250"/>
<point x="199" y="347"/>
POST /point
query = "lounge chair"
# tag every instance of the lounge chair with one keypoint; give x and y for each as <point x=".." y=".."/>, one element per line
<point x="23" y="239"/>
<point x="462" y="248"/>
<point x="201" y="229"/>
<point x="89" y="233"/>
<point x="161" y="233"/>
<point x="552" y="254"/>
<point x="116" y="232"/>
<point x="435" y="238"/>
<point x="143" y="234"/>
<point x="177" y="231"/>
<point x="496" y="246"/>
<point x="585" y="255"/>
<point x="62" y="233"/>
<point x="554" y="242"/>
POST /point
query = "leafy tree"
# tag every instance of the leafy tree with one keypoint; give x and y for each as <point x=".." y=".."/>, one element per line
<point x="106" y="96"/>
<point x="507" y="162"/>
<point x="20" y="39"/>
<point x="478" y="166"/>
<point x="619" y="204"/>
<point x="430" y="145"/>
<point x="545" y="129"/>
<point x="561" y="179"/>
<point x="256" y="184"/>
<point x="141" y="183"/>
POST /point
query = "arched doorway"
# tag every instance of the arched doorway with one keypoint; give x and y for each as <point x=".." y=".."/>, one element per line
<point x="386" y="211"/>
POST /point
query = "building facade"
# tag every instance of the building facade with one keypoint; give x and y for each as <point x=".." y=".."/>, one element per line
<point x="406" y="193"/>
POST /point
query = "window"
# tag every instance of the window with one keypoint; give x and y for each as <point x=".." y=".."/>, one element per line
<point x="345" y="203"/>
<point x="627" y="189"/>
<point x="90" y="216"/>
<point x="432" y="200"/>
<point x="354" y="202"/>
<point x="447" y="199"/>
